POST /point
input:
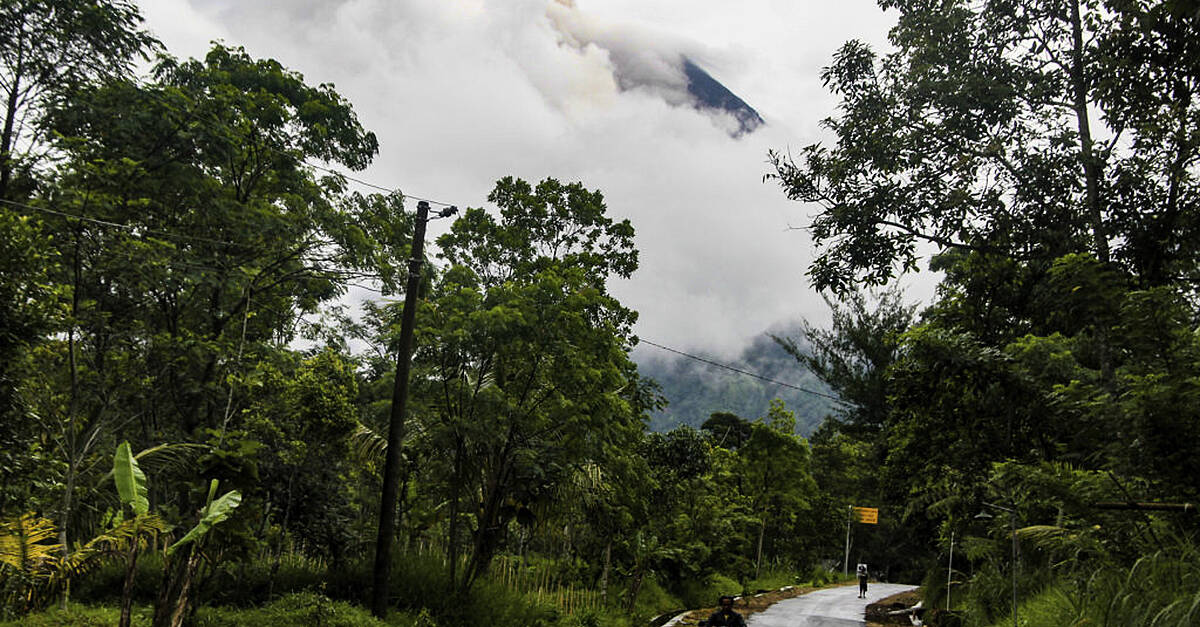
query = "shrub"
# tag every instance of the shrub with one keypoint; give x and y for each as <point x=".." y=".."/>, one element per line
<point x="705" y="593"/>
<point x="772" y="580"/>
<point x="653" y="600"/>
<point x="103" y="586"/>
<point x="301" y="609"/>
<point x="79" y="615"/>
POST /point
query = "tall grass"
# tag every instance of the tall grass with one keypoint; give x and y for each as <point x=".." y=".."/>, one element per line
<point x="1161" y="589"/>
<point x="545" y="583"/>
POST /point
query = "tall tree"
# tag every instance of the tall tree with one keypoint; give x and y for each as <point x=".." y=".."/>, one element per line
<point x="527" y="350"/>
<point x="27" y="311"/>
<point x="49" y="49"/>
<point x="201" y="178"/>
<point x="191" y="237"/>
<point x="1022" y="128"/>
<point x="852" y="357"/>
<point x="776" y="475"/>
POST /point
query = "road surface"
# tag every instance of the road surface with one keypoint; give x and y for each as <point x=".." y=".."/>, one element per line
<point x="831" y="607"/>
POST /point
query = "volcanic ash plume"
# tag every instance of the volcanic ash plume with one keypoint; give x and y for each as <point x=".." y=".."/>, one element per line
<point x="655" y="63"/>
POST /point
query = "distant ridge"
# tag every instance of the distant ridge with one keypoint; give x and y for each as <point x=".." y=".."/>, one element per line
<point x="712" y="95"/>
<point x="696" y="390"/>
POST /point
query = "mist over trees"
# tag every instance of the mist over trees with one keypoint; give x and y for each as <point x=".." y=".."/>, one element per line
<point x="695" y="390"/>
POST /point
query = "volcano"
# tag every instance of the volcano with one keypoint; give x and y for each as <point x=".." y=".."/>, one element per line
<point x="708" y="94"/>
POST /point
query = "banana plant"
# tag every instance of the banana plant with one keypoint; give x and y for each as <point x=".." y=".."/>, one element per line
<point x="134" y="493"/>
<point x="32" y="568"/>
<point x="216" y="510"/>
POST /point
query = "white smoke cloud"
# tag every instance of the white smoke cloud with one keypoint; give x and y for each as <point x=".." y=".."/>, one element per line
<point x="639" y="58"/>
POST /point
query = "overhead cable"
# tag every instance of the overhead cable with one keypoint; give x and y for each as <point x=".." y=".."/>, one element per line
<point x="738" y="370"/>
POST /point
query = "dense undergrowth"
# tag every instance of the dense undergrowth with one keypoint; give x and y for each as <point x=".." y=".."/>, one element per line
<point x="309" y="592"/>
<point x="1160" y="589"/>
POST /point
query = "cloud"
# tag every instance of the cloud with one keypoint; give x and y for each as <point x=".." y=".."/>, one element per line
<point x="463" y="92"/>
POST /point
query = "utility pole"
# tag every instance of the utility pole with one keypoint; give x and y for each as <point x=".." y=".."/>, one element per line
<point x="846" y="561"/>
<point x="949" y="570"/>
<point x="391" y="467"/>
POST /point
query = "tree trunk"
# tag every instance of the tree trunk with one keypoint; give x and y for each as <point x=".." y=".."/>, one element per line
<point x="172" y="570"/>
<point x="72" y="436"/>
<point x="452" y="540"/>
<point x="634" y="589"/>
<point x="127" y="588"/>
<point x="604" y="574"/>
<point x="7" y="140"/>
<point x="1091" y="167"/>
<point x="762" y="530"/>
<point x="489" y="524"/>
<point x="185" y="584"/>
<point x="287" y="513"/>
<point x="1092" y="171"/>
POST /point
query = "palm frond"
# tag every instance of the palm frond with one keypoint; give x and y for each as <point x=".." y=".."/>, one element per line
<point x="368" y="446"/>
<point x="24" y="546"/>
<point x="163" y="458"/>
<point x="109" y="544"/>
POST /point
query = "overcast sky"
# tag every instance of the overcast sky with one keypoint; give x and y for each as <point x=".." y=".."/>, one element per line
<point x="463" y="92"/>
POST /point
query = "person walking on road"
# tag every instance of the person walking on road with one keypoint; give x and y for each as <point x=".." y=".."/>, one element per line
<point x="862" y="581"/>
<point x="725" y="617"/>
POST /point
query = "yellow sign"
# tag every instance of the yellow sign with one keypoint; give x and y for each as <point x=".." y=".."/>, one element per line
<point x="868" y="515"/>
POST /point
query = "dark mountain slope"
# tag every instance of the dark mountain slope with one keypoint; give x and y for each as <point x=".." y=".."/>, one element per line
<point x="712" y="95"/>
<point x="696" y="390"/>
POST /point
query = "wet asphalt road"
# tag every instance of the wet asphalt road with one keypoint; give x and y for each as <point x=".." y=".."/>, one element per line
<point x="833" y="607"/>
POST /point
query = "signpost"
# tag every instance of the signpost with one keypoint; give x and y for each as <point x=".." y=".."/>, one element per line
<point x="865" y="515"/>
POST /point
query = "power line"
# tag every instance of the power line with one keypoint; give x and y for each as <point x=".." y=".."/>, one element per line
<point x="126" y="227"/>
<point x="738" y="370"/>
<point x="374" y="186"/>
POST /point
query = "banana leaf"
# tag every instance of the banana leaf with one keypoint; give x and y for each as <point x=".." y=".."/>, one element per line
<point x="213" y="513"/>
<point x="130" y="480"/>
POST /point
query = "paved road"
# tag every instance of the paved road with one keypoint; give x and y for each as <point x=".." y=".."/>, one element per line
<point x="832" y="607"/>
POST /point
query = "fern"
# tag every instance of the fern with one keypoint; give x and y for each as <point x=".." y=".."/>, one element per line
<point x="33" y="569"/>
<point x="23" y="545"/>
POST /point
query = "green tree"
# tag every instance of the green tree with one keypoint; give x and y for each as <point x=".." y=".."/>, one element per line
<point x="235" y="239"/>
<point x="304" y="420"/>
<point x="727" y="430"/>
<point x="51" y="48"/>
<point x="775" y="474"/>
<point x="852" y="357"/>
<point x="190" y="240"/>
<point x="1021" y="128"/>
<point x="27" y="312"/>
<point x="1044" y="151"/>
<point x="525" y="352"/>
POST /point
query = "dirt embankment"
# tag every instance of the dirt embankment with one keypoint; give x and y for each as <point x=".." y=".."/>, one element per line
<point x="878" y="613"/>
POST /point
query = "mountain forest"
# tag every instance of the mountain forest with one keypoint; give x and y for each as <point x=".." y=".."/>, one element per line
<point x="200" y="426"/>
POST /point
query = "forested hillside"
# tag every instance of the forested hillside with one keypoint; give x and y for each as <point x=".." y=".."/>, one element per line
<point x="695" y="390"/>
